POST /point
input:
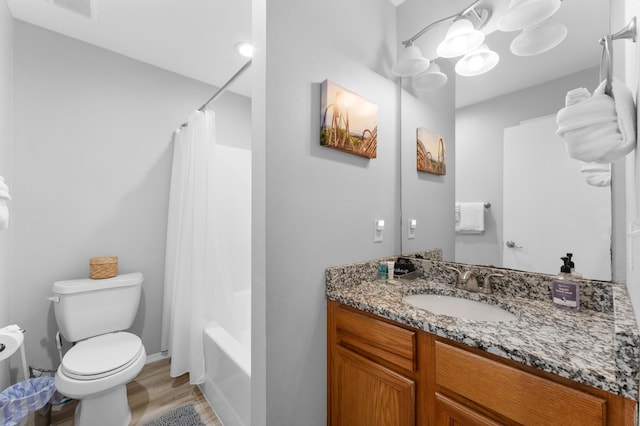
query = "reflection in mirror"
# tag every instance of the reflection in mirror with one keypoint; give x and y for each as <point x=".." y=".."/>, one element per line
<point x="543" y="204"/>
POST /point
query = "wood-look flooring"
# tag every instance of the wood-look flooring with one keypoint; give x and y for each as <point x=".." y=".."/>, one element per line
<point x="151" y="394"/>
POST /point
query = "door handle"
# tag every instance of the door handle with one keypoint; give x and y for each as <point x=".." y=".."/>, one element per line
<point x="511" y="244"/>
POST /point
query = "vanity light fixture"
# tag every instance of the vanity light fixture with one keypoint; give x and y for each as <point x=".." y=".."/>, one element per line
<point x="244" y="48"/>
<point x="431" y="79"/>
<point x="525" y="13"/>
<point x="411" y="62"/>
<point x="539" y="33"/>
<point x="462" y="38"/>
<point x="477" y="62"/>
<point x="539" y="38"/>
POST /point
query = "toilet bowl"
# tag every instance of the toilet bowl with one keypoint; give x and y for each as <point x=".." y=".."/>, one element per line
<point x="96" y="372"/>
<point x="94" y="314"/>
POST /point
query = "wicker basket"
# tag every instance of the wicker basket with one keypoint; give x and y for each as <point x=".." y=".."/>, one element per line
<point x="103" y="267"/>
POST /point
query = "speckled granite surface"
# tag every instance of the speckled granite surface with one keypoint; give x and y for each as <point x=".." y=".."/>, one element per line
<point x="597" y="346"/>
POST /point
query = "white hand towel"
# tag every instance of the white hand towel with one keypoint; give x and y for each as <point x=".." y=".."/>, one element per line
<point x="598" y="128"/>
<point x="470" y="218"/>
<point x="597" y="174"/>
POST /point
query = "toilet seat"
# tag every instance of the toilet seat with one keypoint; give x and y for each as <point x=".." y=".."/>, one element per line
<point x="101" y="356"/>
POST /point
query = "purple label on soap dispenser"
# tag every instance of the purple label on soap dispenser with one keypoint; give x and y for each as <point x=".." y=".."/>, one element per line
<point x="566" y="294"/>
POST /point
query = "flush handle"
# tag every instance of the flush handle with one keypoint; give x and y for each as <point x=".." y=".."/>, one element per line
<point x="511" y="244"/>
<point x="55" y="299"/>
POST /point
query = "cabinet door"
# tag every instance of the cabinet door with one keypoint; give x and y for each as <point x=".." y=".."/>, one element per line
<point x="364" y="393"/>
<point x="519" y="396"/>
<point x="453" y="413"/>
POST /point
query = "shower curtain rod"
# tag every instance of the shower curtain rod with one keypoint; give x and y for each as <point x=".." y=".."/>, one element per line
<point x="223" y="88"/>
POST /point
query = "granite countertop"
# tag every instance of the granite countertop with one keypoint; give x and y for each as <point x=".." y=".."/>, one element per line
<point x="599" y="349"/>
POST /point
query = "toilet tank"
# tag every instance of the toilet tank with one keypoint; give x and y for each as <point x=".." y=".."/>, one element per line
<point x="85" y="308"/>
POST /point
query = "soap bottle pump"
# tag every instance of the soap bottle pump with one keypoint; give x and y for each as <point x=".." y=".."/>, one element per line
<point x="573" y="267"/>
<point x="566" y="293"/>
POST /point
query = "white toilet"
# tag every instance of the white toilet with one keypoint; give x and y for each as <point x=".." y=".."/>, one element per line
<point x="104" y="358"/>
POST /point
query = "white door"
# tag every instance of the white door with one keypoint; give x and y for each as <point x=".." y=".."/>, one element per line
<point x="549" y="209"/>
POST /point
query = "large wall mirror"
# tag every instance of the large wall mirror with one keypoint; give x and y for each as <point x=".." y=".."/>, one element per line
<point x="499" y="137"/>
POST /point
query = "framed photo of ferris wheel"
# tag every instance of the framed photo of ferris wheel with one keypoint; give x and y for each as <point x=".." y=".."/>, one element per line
<point x="431" y="152"/>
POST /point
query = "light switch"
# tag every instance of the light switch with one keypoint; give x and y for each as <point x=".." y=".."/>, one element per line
<point x="411" y="231"/>
<point x="378" y="230"/>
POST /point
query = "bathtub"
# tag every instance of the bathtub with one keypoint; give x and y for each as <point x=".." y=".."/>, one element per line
<point x="227" y="354"/>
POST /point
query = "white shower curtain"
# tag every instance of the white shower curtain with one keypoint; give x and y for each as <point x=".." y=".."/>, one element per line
<point x="191" y="247"/>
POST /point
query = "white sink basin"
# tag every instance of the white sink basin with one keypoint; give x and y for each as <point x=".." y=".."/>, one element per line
<point x="459" y="308"/>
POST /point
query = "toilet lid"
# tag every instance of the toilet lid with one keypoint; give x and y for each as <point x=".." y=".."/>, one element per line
<point x="101" y="356"/>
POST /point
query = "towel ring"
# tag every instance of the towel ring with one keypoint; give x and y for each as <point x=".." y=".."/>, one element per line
<point x="629" y="32"/>
<point x="606" y="64"/>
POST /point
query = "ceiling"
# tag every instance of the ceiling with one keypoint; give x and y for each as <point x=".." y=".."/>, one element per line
<point x="196" y="38"/>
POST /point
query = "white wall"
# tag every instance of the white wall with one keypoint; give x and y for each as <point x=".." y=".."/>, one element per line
<point x="428" y="198"/>
<point x="6" y="80"/>
<point x="319" y="204"/>
<point x="479" y="144"/>
<point x="92" y="158"/>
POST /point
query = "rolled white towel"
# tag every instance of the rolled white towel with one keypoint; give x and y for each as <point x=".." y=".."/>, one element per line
<point x="597" y="174"/>
<point x="576" y="95"/>
<point x="589" y="126"/>
<point x="599" y="128"/>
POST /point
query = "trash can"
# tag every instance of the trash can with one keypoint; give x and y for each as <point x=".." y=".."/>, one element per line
<point x="24" y="398"/>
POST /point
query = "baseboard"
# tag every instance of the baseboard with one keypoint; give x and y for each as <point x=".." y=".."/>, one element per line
<point x="158" y="356"/>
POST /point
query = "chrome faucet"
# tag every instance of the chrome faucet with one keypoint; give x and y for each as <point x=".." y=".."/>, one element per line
<point x="467" y="279"/>
<point x="470" y="282"/>
<point x="486" y="287"/>
<point x="458" y="274"/>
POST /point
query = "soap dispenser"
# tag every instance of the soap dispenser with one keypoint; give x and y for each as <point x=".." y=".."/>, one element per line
<point x="566" y="292"/>
<point x="573" y="267"/>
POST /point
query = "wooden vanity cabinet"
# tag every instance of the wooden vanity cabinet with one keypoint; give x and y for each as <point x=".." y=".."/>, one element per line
<point x="384" y="373"/>
<point x="516" y="396"/>
<point x="451" y="412"/>
<point x="373" y="373"/>
<point x="367" y="393"/>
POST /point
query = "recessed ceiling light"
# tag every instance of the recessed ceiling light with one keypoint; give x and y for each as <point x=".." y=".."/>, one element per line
<point x="245" y="49"/>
